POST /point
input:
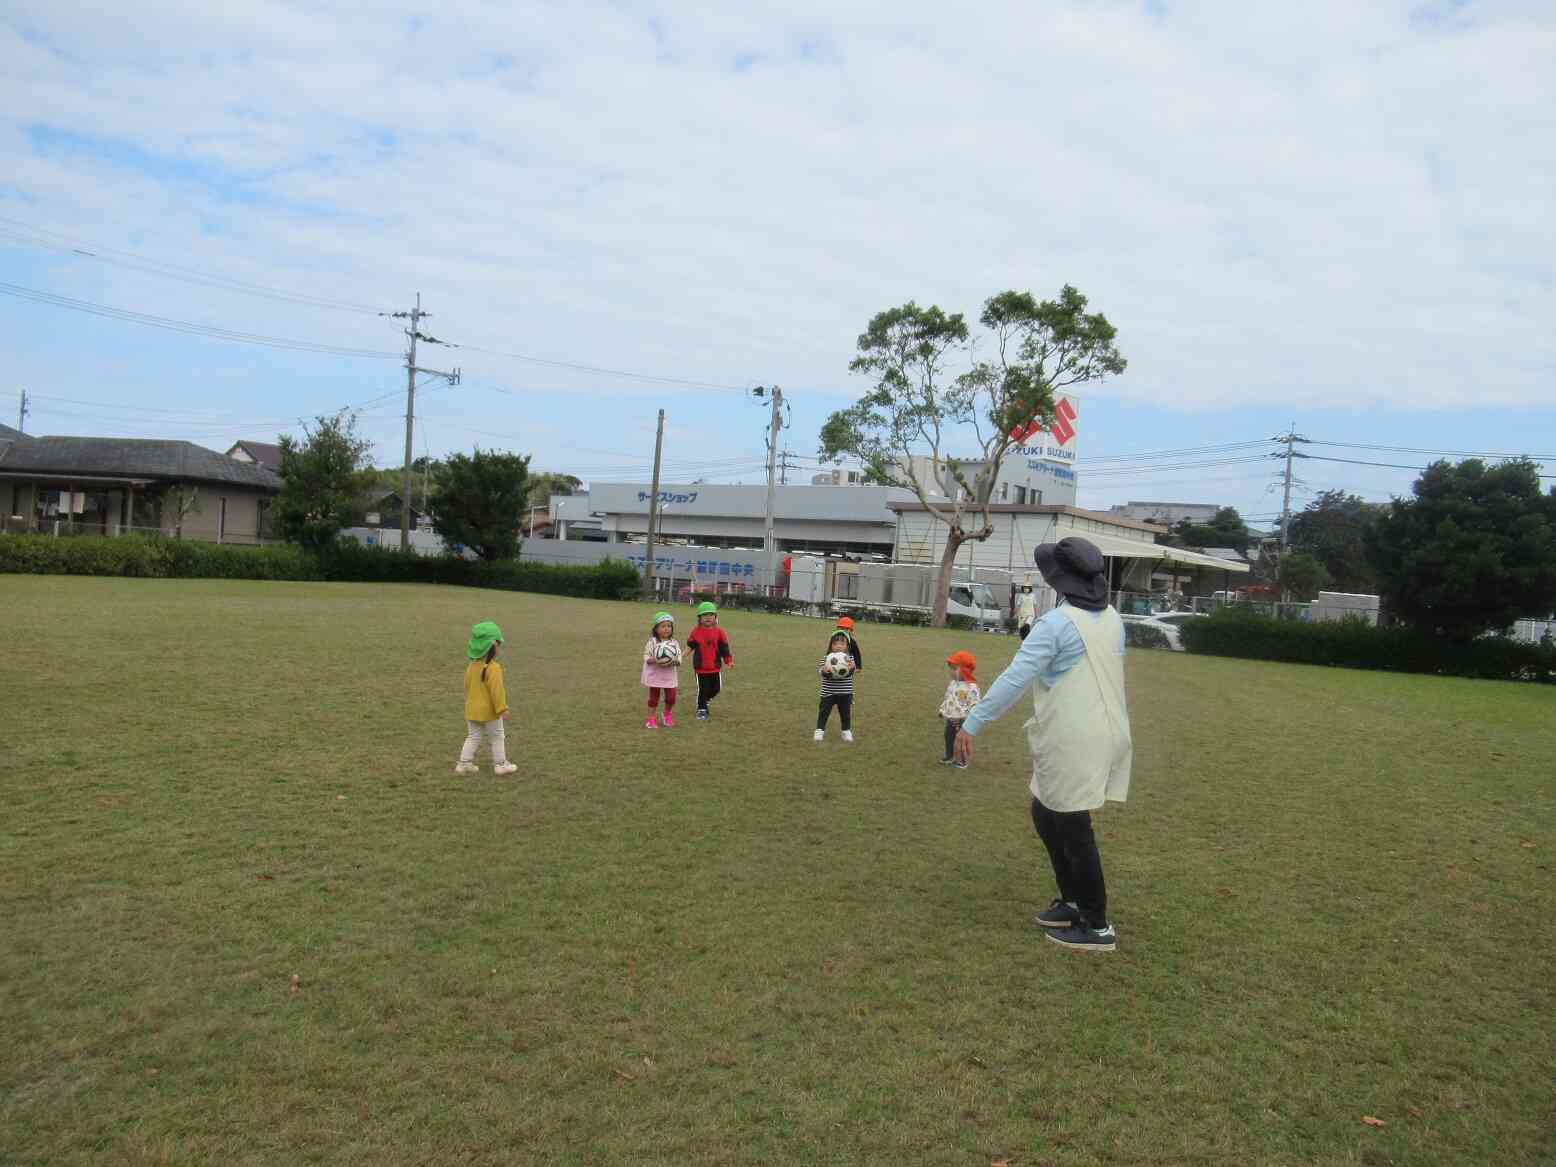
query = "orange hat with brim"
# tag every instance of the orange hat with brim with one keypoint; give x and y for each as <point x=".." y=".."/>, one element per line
<point x="965" y="664"/>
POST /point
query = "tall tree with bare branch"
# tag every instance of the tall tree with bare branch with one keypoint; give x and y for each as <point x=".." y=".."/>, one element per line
<point x="931" y="392"/>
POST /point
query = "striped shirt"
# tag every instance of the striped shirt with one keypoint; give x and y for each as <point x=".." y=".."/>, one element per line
<point x="835" y="686"/>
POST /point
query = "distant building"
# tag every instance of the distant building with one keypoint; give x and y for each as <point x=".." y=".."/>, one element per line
<point x="266" y="454"/>
<point x="111" y="486"/>
<point x="1166" y="513"/>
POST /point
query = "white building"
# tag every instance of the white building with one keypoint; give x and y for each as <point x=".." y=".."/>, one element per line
<point x="1165" y="514"/>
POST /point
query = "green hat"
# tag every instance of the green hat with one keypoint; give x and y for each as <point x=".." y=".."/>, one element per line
<point x="482" y="637"/>
<point x="707" y="608"/>
<point x="663" y="618"/>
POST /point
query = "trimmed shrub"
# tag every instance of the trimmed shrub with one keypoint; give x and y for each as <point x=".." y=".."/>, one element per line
<point x="1356" y="644"/>
<point x="1144" y="636"/>
<point x="162" y="558"/>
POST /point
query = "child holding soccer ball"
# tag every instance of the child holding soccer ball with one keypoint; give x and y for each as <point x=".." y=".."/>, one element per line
<point x="837" y="687"/>
<point x="486" y="701"/>
<point x="662" y="669"/>
<point x="960" y="697"/>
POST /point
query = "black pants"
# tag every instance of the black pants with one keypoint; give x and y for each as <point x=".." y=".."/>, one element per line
<point x="843" y="703"/>
<point x="707" y="688"/>
<point x="951" y="728"/>
<point x="1072" y="849"/>
<point x="1025" y="628"/>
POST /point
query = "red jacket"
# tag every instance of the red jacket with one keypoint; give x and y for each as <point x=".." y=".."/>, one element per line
<point x="710" y="649"/>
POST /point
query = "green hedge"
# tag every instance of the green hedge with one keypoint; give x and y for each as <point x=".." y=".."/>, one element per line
<point x="160" y="558"/>
<point x="1144" y="636"/>
<point x="1355" y="644"/>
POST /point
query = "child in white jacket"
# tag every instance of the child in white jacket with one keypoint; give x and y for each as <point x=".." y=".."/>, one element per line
<point x="960" y="697"/>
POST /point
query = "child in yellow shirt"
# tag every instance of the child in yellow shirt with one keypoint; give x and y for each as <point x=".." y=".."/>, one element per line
<point x="486" y="700"/>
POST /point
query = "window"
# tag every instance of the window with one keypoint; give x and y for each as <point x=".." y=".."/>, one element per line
<point x="1004" y="492"/>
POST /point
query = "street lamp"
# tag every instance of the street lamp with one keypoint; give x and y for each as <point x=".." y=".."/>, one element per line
<point x="560" y="525"/>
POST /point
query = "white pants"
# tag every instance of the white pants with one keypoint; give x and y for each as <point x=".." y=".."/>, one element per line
<point x="494" y="733"/>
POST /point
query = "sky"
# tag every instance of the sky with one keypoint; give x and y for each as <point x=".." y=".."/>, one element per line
<point x="1330" y="216"/>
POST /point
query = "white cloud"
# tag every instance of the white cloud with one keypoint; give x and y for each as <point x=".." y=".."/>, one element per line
<point x="1325" y="203"/>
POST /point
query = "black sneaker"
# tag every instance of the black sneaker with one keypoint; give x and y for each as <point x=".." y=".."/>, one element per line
<point x="702" y="715"/>
<point x="1089" y="939"/>
<point x="1058" y="914"/>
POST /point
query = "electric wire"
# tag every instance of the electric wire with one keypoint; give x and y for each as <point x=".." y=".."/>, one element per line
<point x="46" y="239"/>
<point x="1420" y="450"/>
<point x="189" y="327"/>
<point x="1384" y="465"/>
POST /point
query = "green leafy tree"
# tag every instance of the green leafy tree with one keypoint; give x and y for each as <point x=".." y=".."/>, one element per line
<point x="920" y="404"/>
<point x="543" y="486"/>
<point x="323" y="477"/>
<point x="479" y="501"/>
<point x="1473" y="550"/>
<point x="1333" y="529"/>
<point x="1301" y="576"/>
<point x="1227" y="529"/>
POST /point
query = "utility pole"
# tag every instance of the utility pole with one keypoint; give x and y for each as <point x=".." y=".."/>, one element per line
<point x="21" y="416"/>
<point x="770" y="534"/>
<point x="653" y="507"/>
<point x="1290" y="438"/>
<point x="415" y="316"/>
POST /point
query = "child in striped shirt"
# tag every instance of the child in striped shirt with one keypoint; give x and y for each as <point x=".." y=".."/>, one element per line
<point x="836" y="692"/>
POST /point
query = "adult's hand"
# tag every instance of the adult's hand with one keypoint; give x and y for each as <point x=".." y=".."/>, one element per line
<point x="963" y="750"/>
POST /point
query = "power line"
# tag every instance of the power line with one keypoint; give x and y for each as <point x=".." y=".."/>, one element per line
<point x="49" y="240"/>
<point x="602" y="371"/>
<point x="1384" y="465"/>
<point x="1445" y="453"/>
<point x="1184" y="452"/>
<point x="188" y="327"/>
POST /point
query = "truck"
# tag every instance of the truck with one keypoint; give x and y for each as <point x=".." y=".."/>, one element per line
<point x="836" y="585"/>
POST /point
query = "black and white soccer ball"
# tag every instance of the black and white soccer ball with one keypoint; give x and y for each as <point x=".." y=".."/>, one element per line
<point x="839" y="664"/>
<point x="667" y="652"/>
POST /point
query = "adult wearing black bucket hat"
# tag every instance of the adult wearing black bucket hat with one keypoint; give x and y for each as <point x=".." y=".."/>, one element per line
<point x="1073" y="661"/>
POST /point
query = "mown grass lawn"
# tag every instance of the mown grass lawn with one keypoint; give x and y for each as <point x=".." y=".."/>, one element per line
<point x="723" y="944"/>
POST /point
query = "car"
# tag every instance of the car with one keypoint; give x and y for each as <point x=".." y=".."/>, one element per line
<point x="1167" y="623"/>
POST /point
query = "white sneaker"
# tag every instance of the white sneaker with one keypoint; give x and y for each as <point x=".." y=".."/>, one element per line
<point x="466" y="768"/>
<point x="848" y="735"/>
<point x="504" y="768"/>
<point x="821" y="735"/>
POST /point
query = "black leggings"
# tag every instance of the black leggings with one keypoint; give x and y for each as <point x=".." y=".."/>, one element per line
<point x="1072" y="849"/>
<point x="843" y="703"/>
<point x="951" y="728"/>
<point x="708" y="687"/>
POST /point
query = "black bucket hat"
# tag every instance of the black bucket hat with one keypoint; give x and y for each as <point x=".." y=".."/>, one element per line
<point x="1074" y="568"/>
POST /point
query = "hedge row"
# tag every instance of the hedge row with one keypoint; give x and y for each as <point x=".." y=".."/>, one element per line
<point x="1355" y="644"/>
<point x="150" y="556"/>
<point x="1144" y="636"/>
<point x="154" y="557"/>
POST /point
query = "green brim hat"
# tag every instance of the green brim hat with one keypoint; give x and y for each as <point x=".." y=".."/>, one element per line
<point x="482" y="637"/>
<point x="707" y="608"/>
<point x="663" y="618"/>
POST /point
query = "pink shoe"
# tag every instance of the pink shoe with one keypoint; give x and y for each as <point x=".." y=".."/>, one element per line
<point x="669" y="720"/>
<point x="650" y="724"/>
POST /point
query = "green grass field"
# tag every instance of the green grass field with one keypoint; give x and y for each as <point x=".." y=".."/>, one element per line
<point x="722" y="943"/>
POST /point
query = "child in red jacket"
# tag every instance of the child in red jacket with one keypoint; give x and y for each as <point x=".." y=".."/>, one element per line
<point x="710" y="653"/>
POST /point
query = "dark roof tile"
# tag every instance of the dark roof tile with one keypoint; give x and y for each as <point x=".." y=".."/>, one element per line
<point x="174" y="461"/>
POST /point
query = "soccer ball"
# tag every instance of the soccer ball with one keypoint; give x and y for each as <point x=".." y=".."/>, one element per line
<point x="667" y="652"/>
<point x="839" y="664"/>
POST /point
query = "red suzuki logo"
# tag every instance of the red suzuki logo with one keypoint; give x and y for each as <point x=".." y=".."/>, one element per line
<point x="1062" y="430"/>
